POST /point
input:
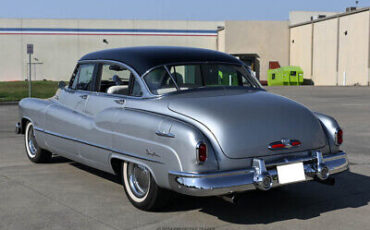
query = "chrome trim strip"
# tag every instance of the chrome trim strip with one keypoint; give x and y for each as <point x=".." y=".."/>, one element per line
<point x="95" y="145"/>
<point x="162" y="134"/>
<point x="212" y="174"/>
<point x="334" y="156"/>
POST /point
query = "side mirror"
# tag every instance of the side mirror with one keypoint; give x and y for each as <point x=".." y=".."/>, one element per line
<point x="61" y="85"/>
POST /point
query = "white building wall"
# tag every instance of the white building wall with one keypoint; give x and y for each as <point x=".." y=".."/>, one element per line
<point x="301" y="48"/>
<point x="59" y="49"/>
<point x="325" y="52"/>
<point x="268" y="39"/>
<point x="354" y="49"/>
<point x="330" y="56"/>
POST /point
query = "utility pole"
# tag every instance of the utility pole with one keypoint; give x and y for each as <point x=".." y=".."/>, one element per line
<point x="29" y="52"/>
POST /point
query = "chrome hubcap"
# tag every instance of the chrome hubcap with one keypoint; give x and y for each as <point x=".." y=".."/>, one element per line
<point x="139" y="179"/>
<point x="32" y="144"/>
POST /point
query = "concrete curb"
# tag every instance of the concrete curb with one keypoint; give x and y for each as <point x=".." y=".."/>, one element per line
<point x="9" y="103"/>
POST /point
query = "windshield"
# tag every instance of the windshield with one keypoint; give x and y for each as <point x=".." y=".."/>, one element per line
<point x="190" y="76"/>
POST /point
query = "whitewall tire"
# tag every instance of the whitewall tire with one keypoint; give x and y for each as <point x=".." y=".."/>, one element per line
<point x="141" y="189"/>
<point x="34" y="152"/>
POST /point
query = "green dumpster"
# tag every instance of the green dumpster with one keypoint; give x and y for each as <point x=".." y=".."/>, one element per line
<point x="286" y="75"/>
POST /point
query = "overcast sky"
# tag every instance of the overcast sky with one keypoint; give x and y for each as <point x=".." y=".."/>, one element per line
<point x="169" y="9"/>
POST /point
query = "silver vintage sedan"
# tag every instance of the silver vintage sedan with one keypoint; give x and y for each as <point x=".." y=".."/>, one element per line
<point x="188" y="120"/>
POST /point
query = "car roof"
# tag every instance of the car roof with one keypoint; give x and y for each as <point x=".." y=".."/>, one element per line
<point x="146" y="57"/>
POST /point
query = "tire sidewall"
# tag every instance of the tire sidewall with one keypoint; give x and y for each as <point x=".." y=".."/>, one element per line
<point x="146" y="202"/>
<point x="28" y="151"/>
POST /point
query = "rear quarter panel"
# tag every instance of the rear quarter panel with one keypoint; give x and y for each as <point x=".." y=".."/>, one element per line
<point x="135" y="133"/>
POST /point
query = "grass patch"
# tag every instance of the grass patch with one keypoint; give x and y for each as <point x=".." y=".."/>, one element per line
<point x="15" y="91"/>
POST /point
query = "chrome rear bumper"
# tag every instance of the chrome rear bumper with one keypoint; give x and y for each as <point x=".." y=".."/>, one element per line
<point x="259" y="176"/>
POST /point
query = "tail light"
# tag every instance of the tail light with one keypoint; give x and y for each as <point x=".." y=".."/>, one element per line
<point x="339" y="137"/>
<point x="201" y="152"/>
<point x="295" y="143"/>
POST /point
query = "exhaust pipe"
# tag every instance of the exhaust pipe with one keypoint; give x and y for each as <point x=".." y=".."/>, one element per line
<point x="231" y="198"/>
<point x="330" y="181"/>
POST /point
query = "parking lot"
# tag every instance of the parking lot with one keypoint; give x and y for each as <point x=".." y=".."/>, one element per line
<point x="67" y="195"/>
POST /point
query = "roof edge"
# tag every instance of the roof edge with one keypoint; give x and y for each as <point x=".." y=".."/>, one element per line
<point x="331" y="17"/>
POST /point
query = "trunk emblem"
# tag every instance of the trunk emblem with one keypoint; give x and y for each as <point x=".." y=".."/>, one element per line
<point x="284" y="143"/>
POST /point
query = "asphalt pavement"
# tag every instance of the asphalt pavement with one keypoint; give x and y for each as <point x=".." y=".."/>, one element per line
<point x="67" y="195"/>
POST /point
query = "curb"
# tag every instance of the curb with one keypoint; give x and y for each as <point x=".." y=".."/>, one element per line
<point x="9" y="103"/>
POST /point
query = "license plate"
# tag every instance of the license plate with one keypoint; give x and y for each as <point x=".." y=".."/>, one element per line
<point x="291" y="173"/>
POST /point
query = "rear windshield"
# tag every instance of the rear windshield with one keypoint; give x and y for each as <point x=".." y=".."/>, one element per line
<point x="190" y="76"/>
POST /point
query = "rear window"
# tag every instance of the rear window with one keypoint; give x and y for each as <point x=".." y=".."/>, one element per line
<point x="160" y="82"/>
<point x="190" y="76"/>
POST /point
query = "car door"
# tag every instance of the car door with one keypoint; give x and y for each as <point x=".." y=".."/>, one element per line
<point x="115" y="87"/>
<point x="65" y="117"/>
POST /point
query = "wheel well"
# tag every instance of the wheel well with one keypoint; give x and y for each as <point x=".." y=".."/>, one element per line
<point x="116" y="165"/>
<point x="24" y="122"/>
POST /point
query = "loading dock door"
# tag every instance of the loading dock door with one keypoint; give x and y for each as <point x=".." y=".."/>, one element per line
<point x="251" y="60"/>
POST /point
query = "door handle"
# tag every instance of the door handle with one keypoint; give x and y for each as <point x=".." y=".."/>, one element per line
<point x="83" y="96"/>
<point x="120" y="101"/>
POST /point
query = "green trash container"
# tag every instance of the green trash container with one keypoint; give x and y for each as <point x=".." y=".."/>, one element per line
<point x="287" y="75"/>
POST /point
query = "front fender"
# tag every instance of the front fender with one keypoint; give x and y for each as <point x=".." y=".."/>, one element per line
<point x="34" y="109"/>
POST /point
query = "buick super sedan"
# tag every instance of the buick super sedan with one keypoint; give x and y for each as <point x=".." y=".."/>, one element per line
<point x="175" y="119"/>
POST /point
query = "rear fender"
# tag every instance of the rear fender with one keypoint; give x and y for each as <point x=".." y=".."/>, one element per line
<point x="330" y="127"/>
<point x="159" y="142"/>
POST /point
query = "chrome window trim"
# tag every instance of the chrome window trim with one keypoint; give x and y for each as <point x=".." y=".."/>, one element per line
<point x="145" y="92"/>
<point x="70" y="90"/>
<point x="173" y="79"/>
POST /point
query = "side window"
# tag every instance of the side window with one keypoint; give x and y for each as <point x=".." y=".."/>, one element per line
<point x="115" y="79"/>
<point x="159" y="82"/>
<point x="82" y="79"/>
<point x="187" y="76"/>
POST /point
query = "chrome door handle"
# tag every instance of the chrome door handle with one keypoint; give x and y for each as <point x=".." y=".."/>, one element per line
<point x="120" y="101"/>
<point x="83" y="96"/>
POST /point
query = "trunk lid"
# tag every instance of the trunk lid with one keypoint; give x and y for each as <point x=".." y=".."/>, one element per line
<point x="245" y="122"/>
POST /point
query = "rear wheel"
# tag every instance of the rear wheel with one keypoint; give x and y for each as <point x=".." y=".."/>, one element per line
<point x="141" y="189"/>
<point x="34" y="152"/>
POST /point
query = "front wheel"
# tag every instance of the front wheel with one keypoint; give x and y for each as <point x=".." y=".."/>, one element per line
<point x="141" y="189"/>
<point x="34" y="152"/>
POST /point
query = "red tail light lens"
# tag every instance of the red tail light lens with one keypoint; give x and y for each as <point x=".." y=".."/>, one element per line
<point x="339" y="137"/>
<point x="201" y="152"/>
<point x="277" y="146"/>
<point x="295" y="143"/>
